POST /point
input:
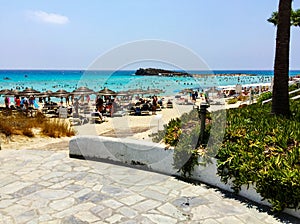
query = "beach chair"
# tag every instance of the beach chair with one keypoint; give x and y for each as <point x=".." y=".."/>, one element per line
<point x="169" y="104"/>
<point x="96" y="118"/>
<point x="145" y="109"/>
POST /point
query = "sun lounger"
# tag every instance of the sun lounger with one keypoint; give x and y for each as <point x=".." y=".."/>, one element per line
<point x="169" y="104"/>
<point x="120" y="113"/>
<point x="96" y="118"/>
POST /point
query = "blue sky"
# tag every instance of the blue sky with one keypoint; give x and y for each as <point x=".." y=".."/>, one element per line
<point x="232" y="34"/>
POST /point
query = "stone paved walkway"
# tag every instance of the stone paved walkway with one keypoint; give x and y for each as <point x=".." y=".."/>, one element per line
<point x="49" y="187"/>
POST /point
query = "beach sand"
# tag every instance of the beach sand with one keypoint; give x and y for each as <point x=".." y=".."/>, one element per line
<point x="129" y="126"/>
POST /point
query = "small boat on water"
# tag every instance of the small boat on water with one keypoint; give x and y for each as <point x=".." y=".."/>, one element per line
<point x="6" y="78"/>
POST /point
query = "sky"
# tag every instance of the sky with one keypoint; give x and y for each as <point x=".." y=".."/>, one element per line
<point x="65" y="34"/>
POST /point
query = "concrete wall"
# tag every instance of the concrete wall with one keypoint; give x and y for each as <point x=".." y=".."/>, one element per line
<point x="143" y="154"/>
<point x="154" y="157"/>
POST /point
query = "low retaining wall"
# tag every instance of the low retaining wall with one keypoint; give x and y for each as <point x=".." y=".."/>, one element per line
<point x="145" y="155"/>
<point x="154" y="157"/>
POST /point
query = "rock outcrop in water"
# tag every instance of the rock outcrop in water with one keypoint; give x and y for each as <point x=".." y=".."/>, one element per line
<point x="160" y="72"/>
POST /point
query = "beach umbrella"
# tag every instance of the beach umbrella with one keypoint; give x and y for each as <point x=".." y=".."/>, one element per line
<point x="45" y="94"/>
<point x="107" y="92"/>
<point x="137" y="91"/>
<point x="28" y="92"/>
<point x="123" y="93"/>
<point x="82" y="91"/>
<point x="4" y="91"/>
<point x="14" y="92"/>
<point x="61" y="93"/>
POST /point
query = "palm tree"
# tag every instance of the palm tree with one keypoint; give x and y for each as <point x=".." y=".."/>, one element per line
<point x="280" y="96"/>
<point x="295" y="18"/>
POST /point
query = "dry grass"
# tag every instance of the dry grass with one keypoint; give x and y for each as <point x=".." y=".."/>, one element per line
<point x="19" y="124"/>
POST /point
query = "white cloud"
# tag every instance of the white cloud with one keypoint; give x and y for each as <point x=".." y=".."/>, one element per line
<point x="50" y="17"/>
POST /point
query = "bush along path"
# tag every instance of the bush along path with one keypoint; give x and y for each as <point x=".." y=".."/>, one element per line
<point x="257" y="148"/>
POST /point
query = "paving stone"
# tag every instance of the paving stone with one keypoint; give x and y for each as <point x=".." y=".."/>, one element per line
<point x="73" y="210"/>
<point x="26" y="216"/>
<point x="171" y="210"/>
<point x="203" y="212"/>
<point x="81" y="168"/>
<point x="227" y="208"/>
<point x="6" y="203"/>
<point x="63" y="167"/>
<point x="147" y="205"/>
<point x="97" y="209"/>
<point x="73" y="187"/>
<point x="27" y="190"/>
<point x="114" y="218"/>
<point x="97" y="187"/>
<point x="160" y="218"/>
<point x="159" y="189"/>
<point x="72" y="220"/>
<point x="112" y="203"/>
<point x="189" y="202"/>
<point x="133" y="199"/>
<point x="52" y="194"/>
<point x="74" y="175"/>
<point x="248" y="218"/>
<point x="128" y="212"/>
<point x="38" y="202"/>
<point x="15" y="210"/>
<point x="14" y="187"/>
<point x="61" y="184"/>
<point x="93" y="197"/>
<point x="103" y="214"/>
<point x="52" y="175"/>
<point x="115" y="191"/>
<point x="81" y="193"/>
<point x="6" y="219"/>
<point x="86" y="216"/>
<point x="47" y="191"/>
<point x="154" y="195"/>
<point x="232" y="220"/>
<point x="44" y="218"/>
<point x="209" y="221"/>
<point x="62" y="204"/>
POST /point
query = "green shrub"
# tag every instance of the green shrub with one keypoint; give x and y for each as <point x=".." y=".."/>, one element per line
<point x="183" y="135"/>
<point x="264" y="96"/>
<point x="232" y="101"/>
<point x="257" y="148"/>
<point x="262" y="149"/>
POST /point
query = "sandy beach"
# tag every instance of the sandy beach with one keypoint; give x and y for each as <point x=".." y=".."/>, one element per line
<point x="128" y="126"/>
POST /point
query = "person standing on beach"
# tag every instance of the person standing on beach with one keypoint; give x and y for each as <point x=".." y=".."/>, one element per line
<point x="17" y="101"/>
<point x="88" y="99"/>
<point x="76" y="105"/>
<point x="154" y="104"/>
<point x="99" y="104"/>
<point x="7" y="102"/>
<point x="67" y="101"/>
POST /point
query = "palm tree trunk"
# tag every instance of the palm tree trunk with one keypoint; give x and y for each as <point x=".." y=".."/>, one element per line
<point x="280" y="97"/>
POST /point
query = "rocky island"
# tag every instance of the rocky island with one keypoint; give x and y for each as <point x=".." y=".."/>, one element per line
<point x="160" y="72"/>
<point x="163" y="72"/>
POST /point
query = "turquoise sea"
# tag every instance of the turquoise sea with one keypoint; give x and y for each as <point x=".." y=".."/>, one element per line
<point x="69" y="80"/>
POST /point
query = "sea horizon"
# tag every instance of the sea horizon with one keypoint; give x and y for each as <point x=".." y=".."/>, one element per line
<point x="123" y="80"/>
